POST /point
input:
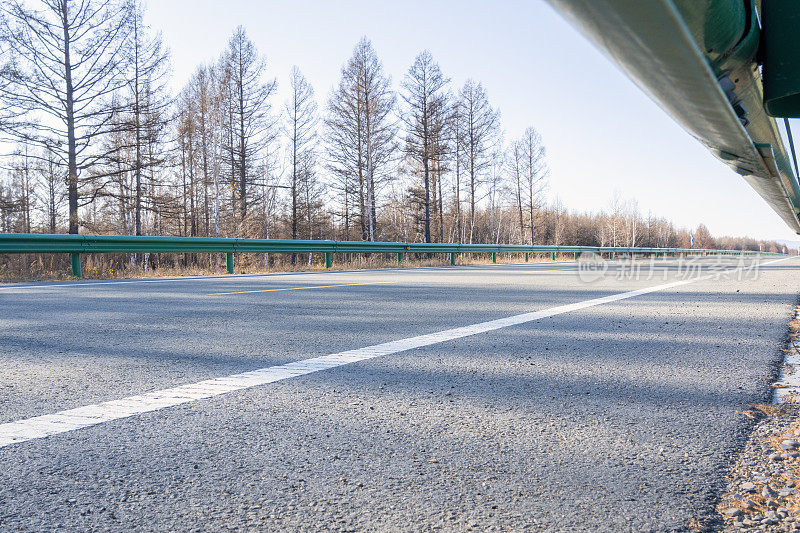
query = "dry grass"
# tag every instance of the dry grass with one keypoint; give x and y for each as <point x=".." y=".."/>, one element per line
<point x="794" y="332"/>
<point x="52" y="267"/>
<point x="754" y="502"/>
<point x="697" y="524"/>
<point x="789" y="475"/>
<point x="769" y="409"/>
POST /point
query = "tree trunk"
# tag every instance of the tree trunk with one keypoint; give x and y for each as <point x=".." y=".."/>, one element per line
<point x="72" y="173"/>
<point x="137" y="124"/>
<point x="242" y="138"/>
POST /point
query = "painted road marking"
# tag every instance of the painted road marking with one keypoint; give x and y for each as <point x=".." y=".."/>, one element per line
<point x="64" y="421"/>
<point x="304" y="288"/>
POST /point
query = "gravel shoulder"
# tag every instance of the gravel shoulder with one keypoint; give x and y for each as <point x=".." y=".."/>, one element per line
<point x="763" y="491"/>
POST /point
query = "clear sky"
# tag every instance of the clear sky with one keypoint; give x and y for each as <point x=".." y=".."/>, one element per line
<point x="602" y="133"/>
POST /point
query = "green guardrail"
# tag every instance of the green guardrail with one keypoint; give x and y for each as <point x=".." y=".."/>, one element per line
<point x="34" y="243"/>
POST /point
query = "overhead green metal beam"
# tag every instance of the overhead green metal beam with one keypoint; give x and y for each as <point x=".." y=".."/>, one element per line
<point x="697" y="59"/>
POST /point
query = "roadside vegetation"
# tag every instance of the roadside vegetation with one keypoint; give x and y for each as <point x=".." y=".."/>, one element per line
<point x="99" y="143"/>
<point x="51" y="267"/>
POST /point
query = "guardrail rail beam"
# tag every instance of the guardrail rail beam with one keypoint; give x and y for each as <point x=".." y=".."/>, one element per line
<point x="75" y="245"/>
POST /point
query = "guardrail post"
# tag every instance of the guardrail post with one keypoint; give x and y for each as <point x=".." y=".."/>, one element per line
<point x="526" y="257"/>
<point x="76" y="264"/>
<point x="452" y="259"/>
<point x="575" y="256"/>
<point x="399" y="258"/>
<point x="229" y="262"/>
<point x="494" y="257"/>
<point x="328" y="260"/>
<point x="552" y="256"/>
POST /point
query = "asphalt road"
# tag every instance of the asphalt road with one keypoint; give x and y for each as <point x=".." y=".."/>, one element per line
<point x="620" y="414"/>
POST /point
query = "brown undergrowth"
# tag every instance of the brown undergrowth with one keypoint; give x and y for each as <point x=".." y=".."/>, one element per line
<point x="53" y="267"/>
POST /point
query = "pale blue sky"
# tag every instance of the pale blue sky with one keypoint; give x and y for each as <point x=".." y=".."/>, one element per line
<point x="602" y="133"/>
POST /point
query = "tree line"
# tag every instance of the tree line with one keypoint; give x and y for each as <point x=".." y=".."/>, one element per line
<point x="102" y="146"/>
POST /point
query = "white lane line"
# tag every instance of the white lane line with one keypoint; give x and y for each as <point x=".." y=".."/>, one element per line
<point x="53" y="424"/>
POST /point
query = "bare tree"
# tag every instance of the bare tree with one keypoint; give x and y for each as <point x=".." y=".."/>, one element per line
<point x="441" y="143"/>
<point x="146" y="77"/>
<point x="498" y="188"/>
<point x="200" y="135"/>
<point x="63" y="65"/>
<point x="118" y="165"/>
<point x="22" y="182"/>
<point x="632" y="219"/>
<point x="361" y="134"/>
<point x="300" y="129"/>
<point x="8" y="208"/>
<point x="479" y="124"/>
<point x="514" y="161"/>
<point x="559" y="222"/>
<point x="424" y="87"/>
<point x="187" y="145"/>
<point x="615" y="219"/>
<point x="51" y="188"/>
<point x="456" y="126"/>
<point x="534" y="171"/>
<point x="206" y="97"/>
<point x="250" y="124"/>
<point x="314" y="191"/>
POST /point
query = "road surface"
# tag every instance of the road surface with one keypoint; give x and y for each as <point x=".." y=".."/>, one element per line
<point x="501" y="396"/>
